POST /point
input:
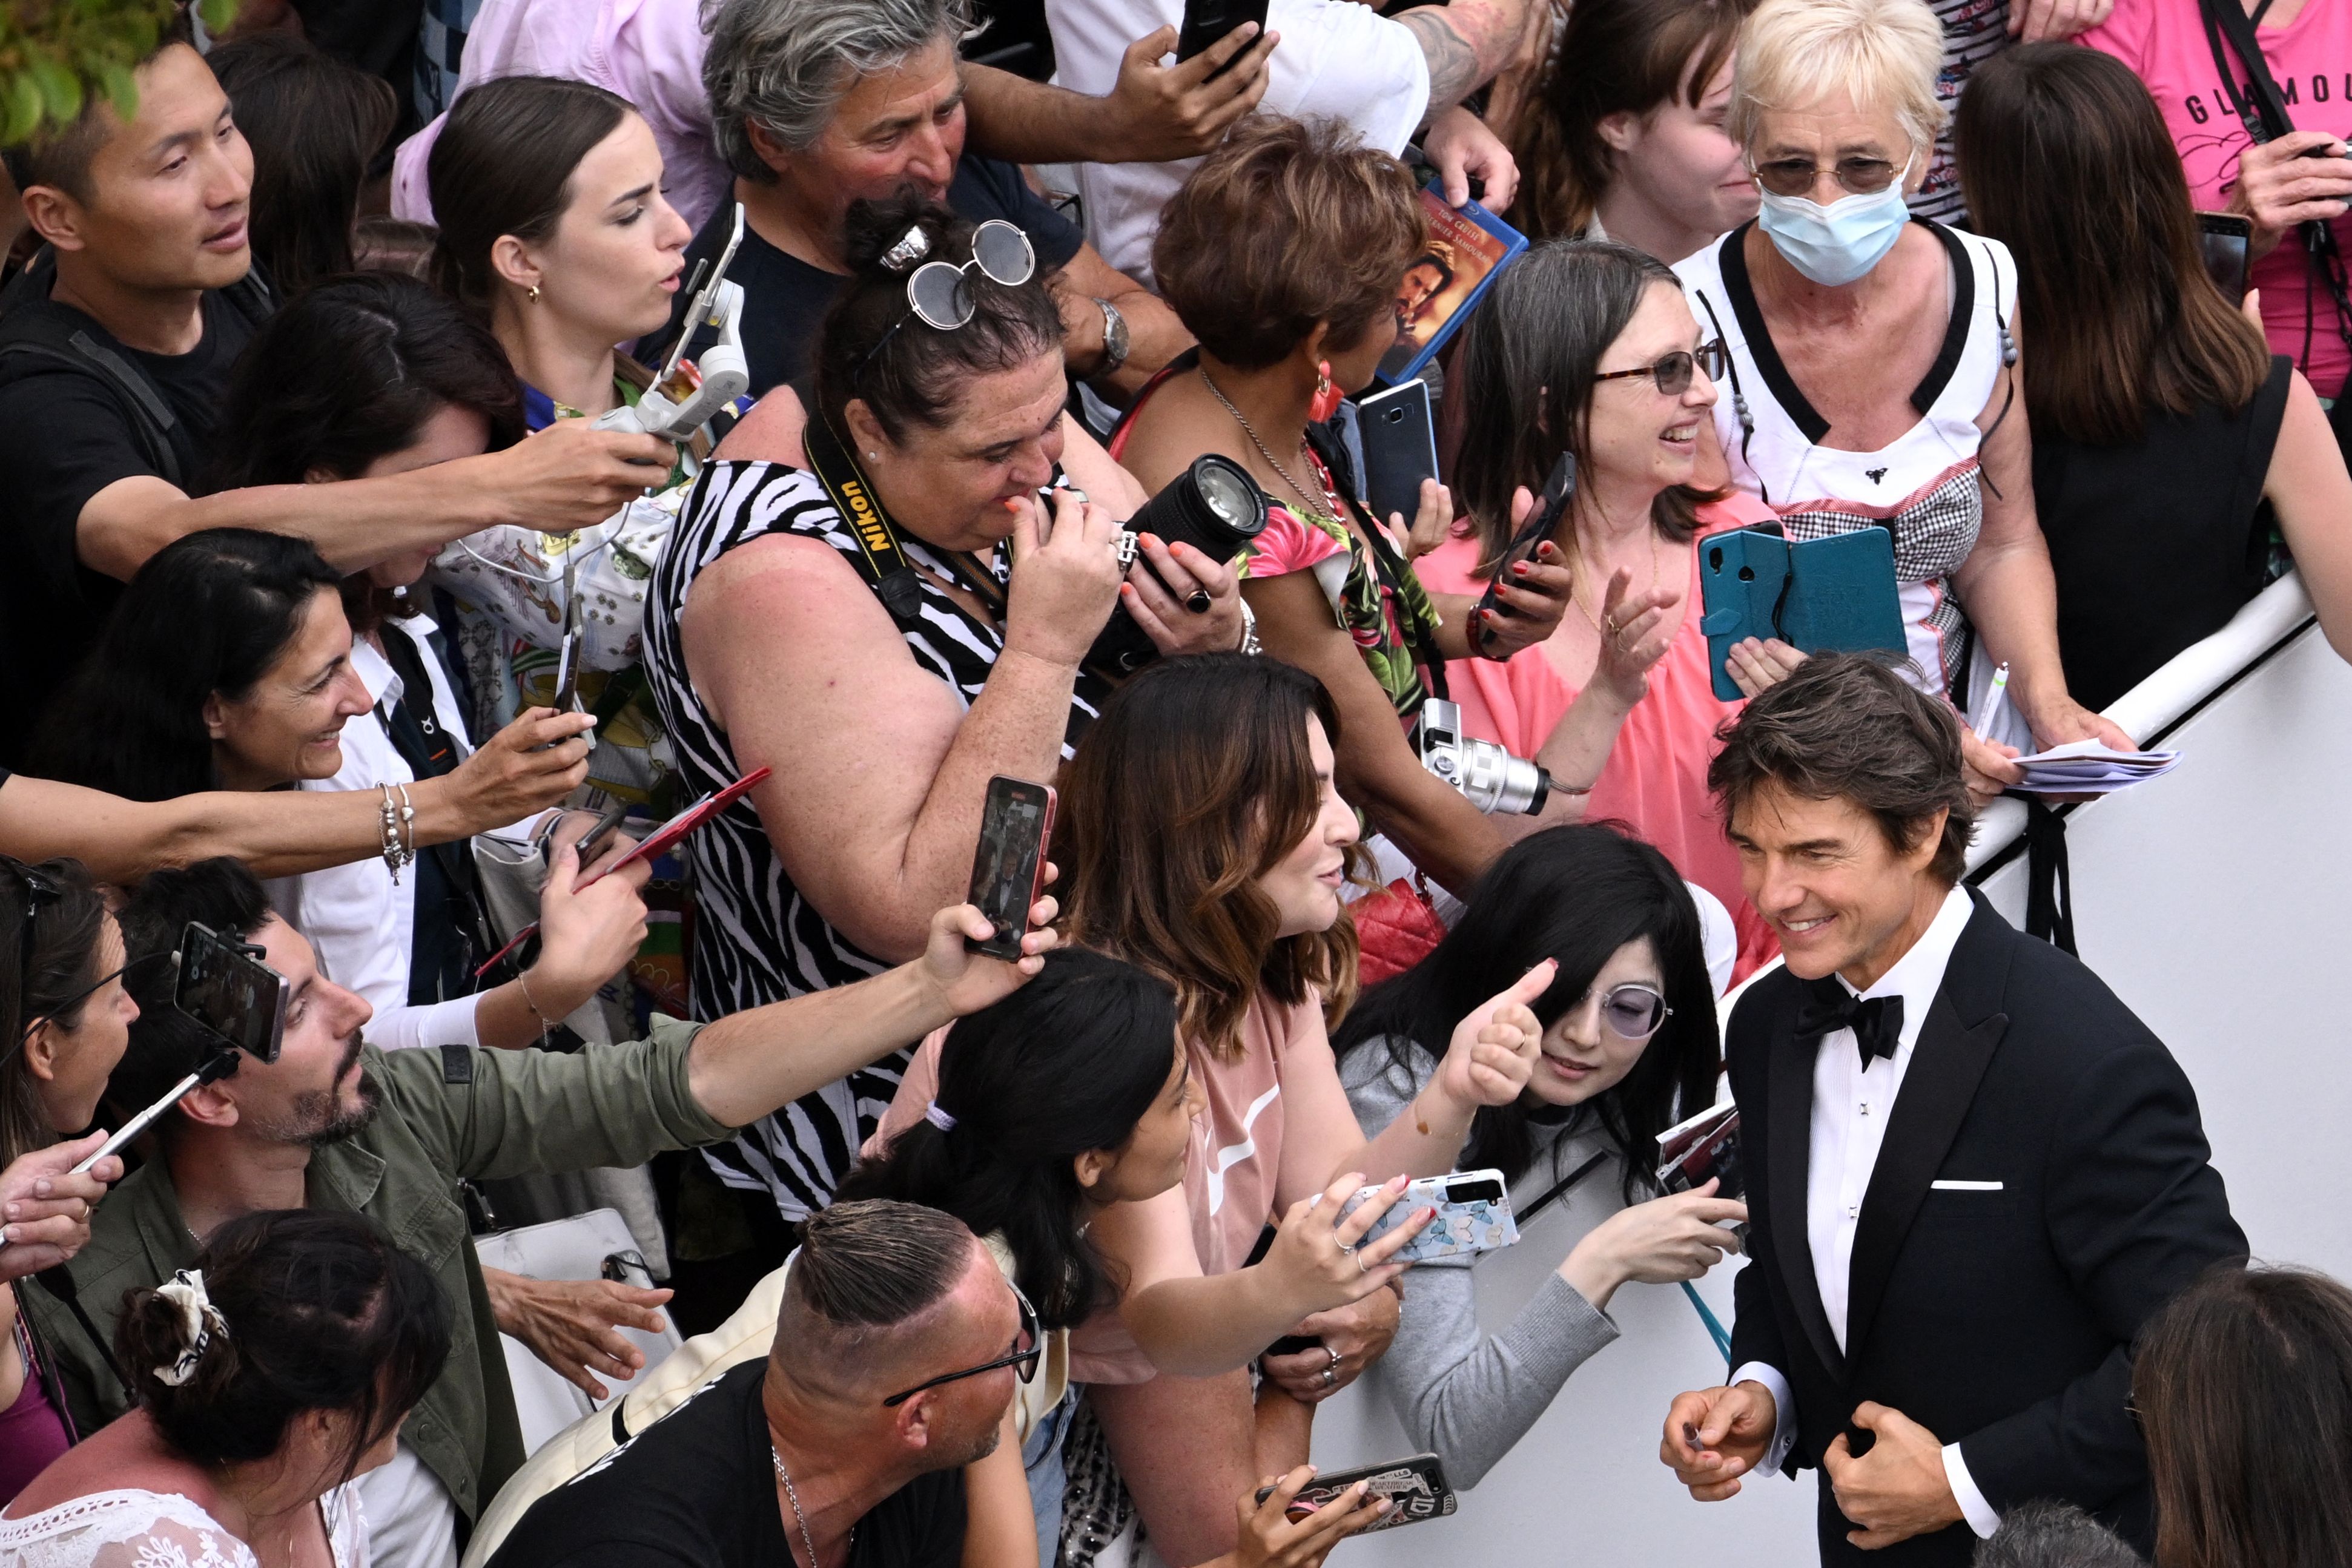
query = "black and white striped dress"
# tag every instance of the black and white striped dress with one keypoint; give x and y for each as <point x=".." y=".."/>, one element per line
<point x="757" y="939"/>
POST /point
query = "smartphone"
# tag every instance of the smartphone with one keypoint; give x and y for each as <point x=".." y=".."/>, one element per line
<point x="1415" y="1488"/>
<point x="224" y="987"/>
<point x="2227" y="237"/>
<point x="1009" y="871"/>
<point x="1474" y="1215"/>
<point x="1399" y="449"/>
<point x="592" y="842"/>
<point x="1206" y="21"/>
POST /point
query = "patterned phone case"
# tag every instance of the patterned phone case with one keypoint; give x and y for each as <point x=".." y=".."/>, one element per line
<point x="1457" y="1227"/>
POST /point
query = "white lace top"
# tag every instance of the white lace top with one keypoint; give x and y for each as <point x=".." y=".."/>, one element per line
<point x="132" y="1529"/>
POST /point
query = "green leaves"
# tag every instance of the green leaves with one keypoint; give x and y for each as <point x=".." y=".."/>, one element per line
<point x="55" y="55"/>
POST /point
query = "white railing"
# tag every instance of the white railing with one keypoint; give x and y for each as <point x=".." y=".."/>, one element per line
<point x="2214" y="900"/>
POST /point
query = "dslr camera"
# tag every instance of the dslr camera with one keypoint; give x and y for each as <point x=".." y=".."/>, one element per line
<point x="1217" y="509"/>
<point x="1488" y="776"/>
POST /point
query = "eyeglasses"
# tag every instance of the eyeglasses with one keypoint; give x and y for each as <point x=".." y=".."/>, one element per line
<point x="1632" y="1012"/>
<point x="1796" y="176"/>
<point x="940" y="292"/>
<point x="1028" y="1345"/>
<point x="1673" y="373"/>
<point x="41" y="890"/>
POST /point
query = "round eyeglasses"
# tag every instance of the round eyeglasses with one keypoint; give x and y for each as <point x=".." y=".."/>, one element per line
<point x="1631" y="1012"/>
<point x="1673" y="373"/>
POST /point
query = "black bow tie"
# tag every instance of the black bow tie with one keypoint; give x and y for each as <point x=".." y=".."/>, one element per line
<point x="1876" y="1021"/>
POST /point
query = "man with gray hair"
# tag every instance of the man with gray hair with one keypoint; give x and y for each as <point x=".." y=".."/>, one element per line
<point x="815" y="104"/>
<point x="896" y="1351"/>
<point x="2054" y="1535"/>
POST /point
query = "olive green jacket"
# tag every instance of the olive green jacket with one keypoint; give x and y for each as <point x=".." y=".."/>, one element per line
<point x="445" y="1114"/>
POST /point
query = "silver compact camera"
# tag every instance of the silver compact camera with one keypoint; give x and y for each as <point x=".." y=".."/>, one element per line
<point x="1489" y="777"/>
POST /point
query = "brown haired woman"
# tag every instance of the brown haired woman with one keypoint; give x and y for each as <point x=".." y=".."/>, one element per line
<point x="1209" y="848"/>
<point x="2170" y="447"/>
<point x="1623" y="140"/>
<point x="1283" y="254"/>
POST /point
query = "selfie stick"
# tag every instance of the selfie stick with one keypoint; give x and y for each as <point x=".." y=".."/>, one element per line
<point x="685" y="394"/>
<point x="218" y="1066"/>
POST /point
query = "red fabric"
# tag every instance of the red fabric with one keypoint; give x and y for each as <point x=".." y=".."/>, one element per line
<point x="1395" y="929"/>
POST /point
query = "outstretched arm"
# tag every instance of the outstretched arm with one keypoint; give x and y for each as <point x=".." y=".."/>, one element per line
<point x="1155" y="113"/>
<point x="1466" y="43"/>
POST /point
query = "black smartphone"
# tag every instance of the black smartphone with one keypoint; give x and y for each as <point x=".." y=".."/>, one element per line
<point x="1399" y="449"/>
<point x="1206" y="21"/>
<point x="2227" y="239"/>
<point x="1009" y="871"/>
<point x="592" y="842"/>
<point x="1415" y="1488"/>
<point x="224" y="987"/>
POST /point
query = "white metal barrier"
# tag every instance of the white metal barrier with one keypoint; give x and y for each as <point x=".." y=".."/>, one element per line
<point x="2212" y="900"/>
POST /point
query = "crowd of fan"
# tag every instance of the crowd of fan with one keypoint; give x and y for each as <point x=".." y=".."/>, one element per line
<point x="338" y="614"/>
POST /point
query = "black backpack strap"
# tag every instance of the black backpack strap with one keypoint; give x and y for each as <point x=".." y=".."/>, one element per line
<point x="42" y="337"/>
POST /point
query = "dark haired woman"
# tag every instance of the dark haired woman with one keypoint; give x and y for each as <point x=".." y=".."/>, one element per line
<point x="1229" y="890"/>
<point x="65" y="1021"/>
<point x="1286" y="323"/>
<point x="1629" y="1048"/>
<point x="555" y="235"/>
<point x="315" y="124"/>
<point x="229" y="663"/>
<point x="885" y="674"/>
<point x="2228" y="1382"/>
<point x="1622" y="139"/>
<point x="2169" y="445"/>
<point x="267" y="1378"/>
<point x="1590" y="348"/>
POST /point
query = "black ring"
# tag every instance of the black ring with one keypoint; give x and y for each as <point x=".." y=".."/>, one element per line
<point x="1198" y="601"/>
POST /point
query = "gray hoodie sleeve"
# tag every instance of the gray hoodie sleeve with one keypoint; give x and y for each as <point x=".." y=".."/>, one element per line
<point x="1464" y="1395"/>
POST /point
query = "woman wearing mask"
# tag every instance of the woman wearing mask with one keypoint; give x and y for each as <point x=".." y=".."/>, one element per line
<point x="1623" y="138"/>
<point x="65" y="1018"/>
<point x="1209" y="848"/>
<point x="1031" y="1118"/>
<point x="1873" y="361"/>
<point x="2170" y="446"/>
<point x="885" y="672"/>
<point x="1286" y="323"/>
<point x="267" y="1378"/>
<point x="556" y="238"/>
<point x="230" y="663"/>
<point x="1629" y="1048"/>
<point x="1591" y="350"/>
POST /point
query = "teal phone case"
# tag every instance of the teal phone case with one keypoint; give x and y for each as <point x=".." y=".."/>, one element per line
<point x="1827" y="595"/>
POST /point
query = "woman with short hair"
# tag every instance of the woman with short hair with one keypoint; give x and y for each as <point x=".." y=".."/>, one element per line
<point x="1872" y="362"/>
<point x="2170" y="446"/>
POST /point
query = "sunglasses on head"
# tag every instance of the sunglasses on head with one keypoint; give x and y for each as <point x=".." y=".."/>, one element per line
<point x="40" y="891"/>
<point x="940" y="292"/>
<point x="1673" y="373"/>
<point x="1028" y="1345"/>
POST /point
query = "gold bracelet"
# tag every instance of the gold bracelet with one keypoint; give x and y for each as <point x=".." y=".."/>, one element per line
<point x="523" y="985"/>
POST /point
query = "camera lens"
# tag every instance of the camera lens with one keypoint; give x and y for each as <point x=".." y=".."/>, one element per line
<point x="1229" y="494"/>
<point x="1214" y="506"/>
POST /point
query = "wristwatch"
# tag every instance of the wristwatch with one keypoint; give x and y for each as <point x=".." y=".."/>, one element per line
<point x="1114" y="343"/>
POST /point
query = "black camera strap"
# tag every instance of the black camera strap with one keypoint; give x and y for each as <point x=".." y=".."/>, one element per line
<point x="2262" y="109"/>
<point x="852" y="494"/>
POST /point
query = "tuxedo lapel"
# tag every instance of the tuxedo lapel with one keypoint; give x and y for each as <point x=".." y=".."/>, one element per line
<point x="1789" y="1154"/>
<point x="1938" y="1087"/>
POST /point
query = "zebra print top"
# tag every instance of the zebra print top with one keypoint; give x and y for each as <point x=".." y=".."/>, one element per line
<point x="757" y="938"/>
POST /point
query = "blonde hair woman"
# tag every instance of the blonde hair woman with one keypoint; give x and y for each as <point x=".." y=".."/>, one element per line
<point x="1872" y="358"/>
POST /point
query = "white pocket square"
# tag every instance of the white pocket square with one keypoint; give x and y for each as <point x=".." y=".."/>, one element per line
<point x="1964" y="1186"/>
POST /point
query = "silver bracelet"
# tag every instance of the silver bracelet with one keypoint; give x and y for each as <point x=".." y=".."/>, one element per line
<point x="394" y="822"/>
<point x="1249" y="643"/>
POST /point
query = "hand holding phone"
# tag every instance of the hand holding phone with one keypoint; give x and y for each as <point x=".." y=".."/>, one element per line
<point x="1474" y="1215"/>
<point x="1008" y="872"/>
<point x="1413" y="1487"/>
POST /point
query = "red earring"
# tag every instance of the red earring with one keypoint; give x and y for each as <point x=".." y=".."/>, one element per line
<point x="1327" y="397"/>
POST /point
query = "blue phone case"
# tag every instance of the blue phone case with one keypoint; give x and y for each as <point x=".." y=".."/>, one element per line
<point x="1827" y="595"/>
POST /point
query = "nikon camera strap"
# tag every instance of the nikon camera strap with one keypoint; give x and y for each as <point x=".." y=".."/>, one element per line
<point x="852" y="494"/>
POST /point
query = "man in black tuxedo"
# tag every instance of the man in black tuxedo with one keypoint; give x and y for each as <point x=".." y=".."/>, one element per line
<point x="1972" y="1174"/>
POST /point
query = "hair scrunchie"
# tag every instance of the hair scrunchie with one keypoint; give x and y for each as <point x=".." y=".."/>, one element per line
<point x="939" y="1118"/>
<point x="199" y="1320"/>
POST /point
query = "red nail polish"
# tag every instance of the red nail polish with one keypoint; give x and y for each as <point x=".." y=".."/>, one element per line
<point x="1519" y="568"/>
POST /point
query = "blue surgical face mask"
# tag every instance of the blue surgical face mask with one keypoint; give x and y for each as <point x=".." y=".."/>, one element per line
<point x="1839" y="243"/>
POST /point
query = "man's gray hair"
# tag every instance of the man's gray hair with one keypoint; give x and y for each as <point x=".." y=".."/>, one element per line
<point x="785" y="65"/>
<point x="2054" y="1535"/>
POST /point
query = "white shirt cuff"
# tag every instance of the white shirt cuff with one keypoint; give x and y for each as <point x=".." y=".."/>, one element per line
<point x="1784" y="1413"/>
<point x="1973" y="1507"/>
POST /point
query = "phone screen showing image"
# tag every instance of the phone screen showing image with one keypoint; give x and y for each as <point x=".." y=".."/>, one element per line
<point x="239" y="999"/>
<point x="1007" y="871"/>
<point x="2225" y="238"/>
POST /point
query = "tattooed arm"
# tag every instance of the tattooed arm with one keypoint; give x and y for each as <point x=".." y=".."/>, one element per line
<point x="1467" y="42"/>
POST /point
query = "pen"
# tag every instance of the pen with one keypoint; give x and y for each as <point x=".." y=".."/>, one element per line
<point x="1998" y="694"/>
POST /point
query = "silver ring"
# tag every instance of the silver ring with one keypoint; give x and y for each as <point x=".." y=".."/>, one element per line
<point x="1330" y="1377"/>
<point x="1359" y="1265"/>
<point x="1333" y="1354"/>
<point x="1347" y="1250"/>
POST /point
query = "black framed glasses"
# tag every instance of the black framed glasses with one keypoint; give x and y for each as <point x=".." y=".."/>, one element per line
<point x="1028" y="1347"/>
<point x="1632" y="1012"/>
<point x="40" y="891"/>
<point x="1673" y="373"/>
<point x="940" y="292"/>
<point x="1796" y="176"/>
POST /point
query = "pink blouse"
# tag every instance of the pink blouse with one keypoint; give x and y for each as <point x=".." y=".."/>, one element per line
<point x="1655" y="779"/>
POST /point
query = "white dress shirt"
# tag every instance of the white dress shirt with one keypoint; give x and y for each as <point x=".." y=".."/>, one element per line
<point x="361" y="921"/>
<point x="1851" y="1104"/>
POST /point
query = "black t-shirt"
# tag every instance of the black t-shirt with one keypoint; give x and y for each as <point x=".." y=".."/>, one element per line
<point x="698" y="1488"/>
<point x="786" y="299"/>
<point x="71" y="434"/>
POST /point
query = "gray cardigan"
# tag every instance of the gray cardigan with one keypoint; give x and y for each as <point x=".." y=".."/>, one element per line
<point x="1463" y="1395"/>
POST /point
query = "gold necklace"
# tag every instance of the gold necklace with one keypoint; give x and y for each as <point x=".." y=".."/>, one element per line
<point x="1579" y="603"/>
<point x="1272" y="462"/>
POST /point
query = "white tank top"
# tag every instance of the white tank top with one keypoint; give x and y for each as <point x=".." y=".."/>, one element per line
<point x="1922" y="487"/>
